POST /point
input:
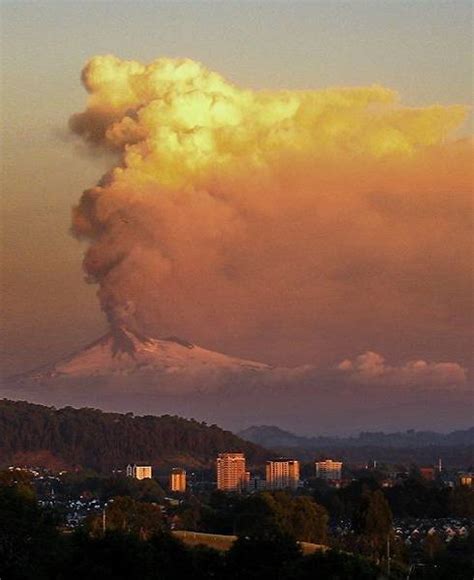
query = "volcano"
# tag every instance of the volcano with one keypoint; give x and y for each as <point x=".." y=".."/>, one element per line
<point x="122" y="353"/>
<point x="128" y="371"/>
<point x="125" y="371"/>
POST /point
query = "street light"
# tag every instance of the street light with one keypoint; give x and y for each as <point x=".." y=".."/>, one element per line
<point x="104" y="516"/>
<point x="388" y="555"/>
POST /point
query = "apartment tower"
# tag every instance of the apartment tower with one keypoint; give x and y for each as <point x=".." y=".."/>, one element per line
<point x="329" y="470"/>
<point x="282" y="474"/>
<point x="231" y="474"/>
<point x="178" y="479"/>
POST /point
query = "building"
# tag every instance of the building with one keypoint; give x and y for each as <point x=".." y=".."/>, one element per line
<point x="428" y="473"/>
<point x="329" y="470"/>
<point x="231" y="474"/>
<point x="178" y="479"/>
<point x="283" y="473"/>
<point x="139" y="471"/>
<point x="466" y="479"/>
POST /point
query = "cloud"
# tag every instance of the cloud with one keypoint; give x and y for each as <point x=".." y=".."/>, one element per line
<point x="288" y="226"/>
<point x="371" y="368"/>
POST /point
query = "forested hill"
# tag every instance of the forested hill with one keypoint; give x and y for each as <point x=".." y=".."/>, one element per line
<point x="89" y="438"/>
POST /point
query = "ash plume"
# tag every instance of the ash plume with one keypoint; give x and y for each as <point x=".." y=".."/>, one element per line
<point x="336" y="219"/>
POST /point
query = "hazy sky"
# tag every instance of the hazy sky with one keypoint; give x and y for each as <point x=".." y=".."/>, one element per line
<point x="420" y="49"/>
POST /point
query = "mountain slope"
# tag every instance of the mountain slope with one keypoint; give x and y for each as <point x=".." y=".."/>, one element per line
<point x="122" y="352"/>
<point x="89" y="438"/>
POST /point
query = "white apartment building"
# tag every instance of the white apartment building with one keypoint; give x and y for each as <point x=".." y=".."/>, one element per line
<point x="231" y="474"/>
<point x="178" y="479"/>
<point x="282" y="474"/>
<point x="329" y="470"/>
<point x="139" y="471"/>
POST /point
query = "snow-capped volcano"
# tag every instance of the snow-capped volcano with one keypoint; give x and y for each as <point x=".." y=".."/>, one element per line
<point x="122" y="352"/>
<point x="125" y="371"/>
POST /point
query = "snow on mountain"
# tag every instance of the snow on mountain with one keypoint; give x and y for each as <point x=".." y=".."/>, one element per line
<point x="122" y="353"/>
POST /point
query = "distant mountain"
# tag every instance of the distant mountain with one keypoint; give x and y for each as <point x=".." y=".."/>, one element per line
<point x="88" y="438"/>
<point x="273" y="437"/>
<point x="456" y="449"/>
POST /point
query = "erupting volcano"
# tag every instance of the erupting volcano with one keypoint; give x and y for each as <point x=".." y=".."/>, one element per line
<point x="324" y="228"/>
<point x="122" y="353"/>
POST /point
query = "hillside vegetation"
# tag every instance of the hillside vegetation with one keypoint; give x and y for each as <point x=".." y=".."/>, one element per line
<point x="89" y="438"/>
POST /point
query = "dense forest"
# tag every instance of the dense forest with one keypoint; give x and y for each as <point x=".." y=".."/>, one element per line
<point x="89" y="438"/>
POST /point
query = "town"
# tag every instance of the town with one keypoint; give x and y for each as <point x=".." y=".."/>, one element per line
<point x="406" y="521"/>
<point x="81" y="496"/>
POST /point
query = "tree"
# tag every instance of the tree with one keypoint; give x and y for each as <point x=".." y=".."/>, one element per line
<point x="29" y="542"/>
<point x="115" y="556"/>
<point x="456" y="562"/>
<point x="374" y="520"/>
<point x="262" y="558"/>
<point x="207" y="563"/>
<point x="258" y="517"/>
<point x="461" y="502"/>
<point x="309" y="520"/>
<point x="269" y="514"/>
<point x="189" y="515"/>
<point x="335" y="566"/>
<point x="126" y="515"/>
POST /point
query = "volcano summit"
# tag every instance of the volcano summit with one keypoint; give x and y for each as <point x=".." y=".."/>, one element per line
<point x="123" y="353"/>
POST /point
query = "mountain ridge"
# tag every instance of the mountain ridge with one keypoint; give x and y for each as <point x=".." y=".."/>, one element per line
<point x="272" y="436"/>
<point x="88" y="438"/>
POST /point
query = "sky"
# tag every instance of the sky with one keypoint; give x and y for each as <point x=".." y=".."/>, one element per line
<point x="415" y="307"/>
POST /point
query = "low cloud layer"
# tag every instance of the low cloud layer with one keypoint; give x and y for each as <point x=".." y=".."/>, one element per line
<point x="371" y="368"/>
<point x="285" y="226"/>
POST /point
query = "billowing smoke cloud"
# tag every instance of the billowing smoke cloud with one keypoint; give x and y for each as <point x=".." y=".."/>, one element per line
<point x="333" y="220"/>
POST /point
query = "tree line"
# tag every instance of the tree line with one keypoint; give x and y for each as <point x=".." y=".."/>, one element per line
<point x="89" y="438"/>
<point x="135" y="542"/>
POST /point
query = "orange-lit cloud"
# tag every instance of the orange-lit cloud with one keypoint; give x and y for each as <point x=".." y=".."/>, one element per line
<point x="335" y="219"/>
<point x="371" y="368"/>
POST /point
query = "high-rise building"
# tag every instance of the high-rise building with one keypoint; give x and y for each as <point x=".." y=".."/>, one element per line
<point x="466" y="479"/>
<point x="283" y="473"/>
<point x="329" y="470"/>
<point x="231" y="474"/>
<point x="178" y="479"/>
<point x="139" y="471"/>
